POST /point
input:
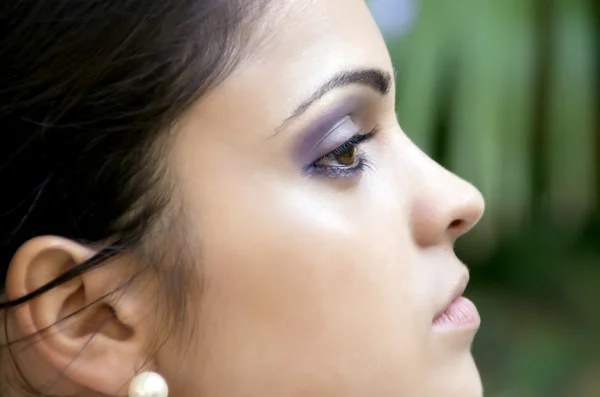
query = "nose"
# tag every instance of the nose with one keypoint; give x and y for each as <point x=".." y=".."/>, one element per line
<point x="445" y="206"/>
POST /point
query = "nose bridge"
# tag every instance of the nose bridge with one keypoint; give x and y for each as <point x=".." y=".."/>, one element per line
<point x="444" y="206"/>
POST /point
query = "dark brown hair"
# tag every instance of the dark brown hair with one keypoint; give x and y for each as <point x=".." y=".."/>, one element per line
<point x="87" y="89"/>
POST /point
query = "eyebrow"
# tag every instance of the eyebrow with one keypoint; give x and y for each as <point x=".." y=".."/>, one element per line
<point x="376" y="79"/>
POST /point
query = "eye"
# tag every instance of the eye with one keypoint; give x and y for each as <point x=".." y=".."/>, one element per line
<point x="346" y="161"/>
<point x="345" y="157"/>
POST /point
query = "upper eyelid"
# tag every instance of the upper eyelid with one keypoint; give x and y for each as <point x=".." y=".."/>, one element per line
<point x="335" y="127"/>
<point x="318" y="137"/>
<point x="359" y="140"/>
<point x="337" y="136"/>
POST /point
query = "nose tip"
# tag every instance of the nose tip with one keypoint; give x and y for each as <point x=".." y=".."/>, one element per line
<point x="466" y="213"/>
<point x="447" y="211"/>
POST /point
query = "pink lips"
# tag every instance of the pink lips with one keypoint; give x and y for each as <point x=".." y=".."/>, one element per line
<point x="461" y="313"/>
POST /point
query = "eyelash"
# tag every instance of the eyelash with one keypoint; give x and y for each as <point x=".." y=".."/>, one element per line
<point x="341" y="171"/>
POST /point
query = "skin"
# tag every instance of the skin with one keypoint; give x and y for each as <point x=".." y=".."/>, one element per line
<point x="311" y="285"/>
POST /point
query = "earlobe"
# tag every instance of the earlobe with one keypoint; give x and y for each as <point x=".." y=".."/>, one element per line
<point x="83" y="330"/>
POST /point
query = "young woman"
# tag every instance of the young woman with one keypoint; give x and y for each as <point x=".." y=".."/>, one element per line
<point x="214" y="197"/>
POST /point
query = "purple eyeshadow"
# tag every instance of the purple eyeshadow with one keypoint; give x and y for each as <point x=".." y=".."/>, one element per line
<point x="328" y="132"/>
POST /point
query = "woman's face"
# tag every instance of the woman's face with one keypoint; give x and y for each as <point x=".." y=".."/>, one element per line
<point x="321" y="273"/>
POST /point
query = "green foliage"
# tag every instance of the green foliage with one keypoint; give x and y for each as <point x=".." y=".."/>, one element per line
<point x="506" y="94"/>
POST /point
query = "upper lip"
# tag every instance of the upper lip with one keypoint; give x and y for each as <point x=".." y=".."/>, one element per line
<point x="458" y="290"/>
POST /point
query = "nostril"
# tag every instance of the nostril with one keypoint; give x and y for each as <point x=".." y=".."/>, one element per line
<point x="456" y="224"/>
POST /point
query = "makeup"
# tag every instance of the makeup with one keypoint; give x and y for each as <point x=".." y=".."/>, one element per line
<point x="336" y="163"/>
<point x="329" y="131"/>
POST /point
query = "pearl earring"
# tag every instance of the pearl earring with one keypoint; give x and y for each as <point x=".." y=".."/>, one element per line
<point x="148" y="384"/>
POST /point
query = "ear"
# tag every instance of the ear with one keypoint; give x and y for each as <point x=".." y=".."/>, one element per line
<point x="90" y="329"/>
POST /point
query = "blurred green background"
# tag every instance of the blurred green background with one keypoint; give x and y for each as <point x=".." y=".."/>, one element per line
<point x="506" y="94"/>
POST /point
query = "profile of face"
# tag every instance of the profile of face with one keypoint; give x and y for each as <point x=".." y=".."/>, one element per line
<point x="322" y="237"/>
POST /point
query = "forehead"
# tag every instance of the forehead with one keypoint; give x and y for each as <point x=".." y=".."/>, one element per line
<point x="296" y="46"/>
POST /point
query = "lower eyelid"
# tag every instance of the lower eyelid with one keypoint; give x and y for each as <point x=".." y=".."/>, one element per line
<point x="340" y="172"/>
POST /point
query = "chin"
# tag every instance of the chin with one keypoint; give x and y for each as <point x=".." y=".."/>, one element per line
<point x="473" y="388"/>
<point x="467" y="382"/>
<point x="459" y="378"/>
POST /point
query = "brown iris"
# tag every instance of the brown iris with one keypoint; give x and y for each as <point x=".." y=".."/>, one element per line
<point x="347" y="158"/>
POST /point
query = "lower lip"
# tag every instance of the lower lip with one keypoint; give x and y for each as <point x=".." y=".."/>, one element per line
<point x="461" y="314"/>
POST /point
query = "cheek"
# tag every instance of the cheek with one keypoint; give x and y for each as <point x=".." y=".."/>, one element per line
<point x="303" y="287"/>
